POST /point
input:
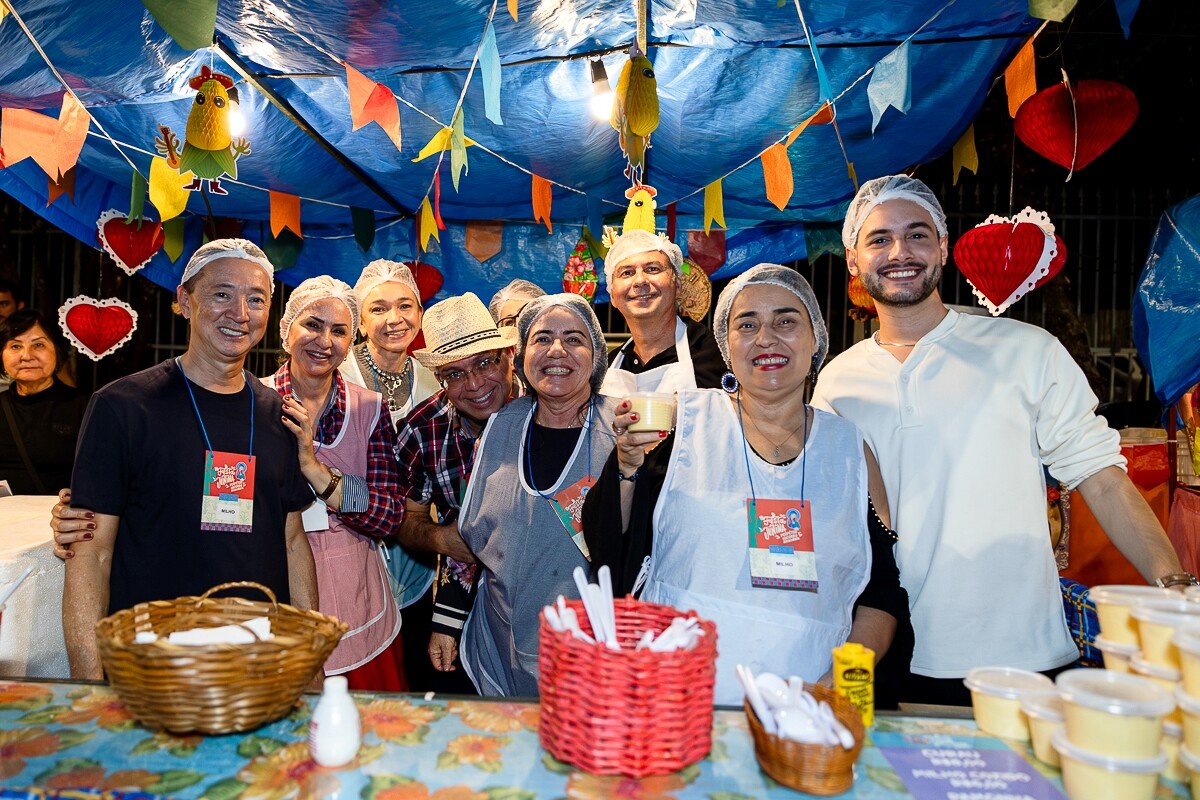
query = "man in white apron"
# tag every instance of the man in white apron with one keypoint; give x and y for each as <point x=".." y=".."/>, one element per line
<point x="665" y="353"/>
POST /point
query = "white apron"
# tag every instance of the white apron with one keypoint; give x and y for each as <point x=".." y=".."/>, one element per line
<point x="701" y="557"/>
<point x="669" y="378"/>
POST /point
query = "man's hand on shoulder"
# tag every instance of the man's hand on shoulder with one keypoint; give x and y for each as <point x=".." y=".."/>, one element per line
<point x="70" y="525"/>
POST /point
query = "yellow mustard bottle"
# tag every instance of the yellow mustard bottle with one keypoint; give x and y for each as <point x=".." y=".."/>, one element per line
<point x="854" y="677"/>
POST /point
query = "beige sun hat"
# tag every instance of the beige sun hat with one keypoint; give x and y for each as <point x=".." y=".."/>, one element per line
<point x="459" y="327"/>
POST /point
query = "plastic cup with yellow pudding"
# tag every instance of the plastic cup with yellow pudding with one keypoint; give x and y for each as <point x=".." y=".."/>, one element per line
<point x="1157" y="620"/>
<point x="1114" y="604"/>
<point x="1093" y="776"/>
<point x="1116" y="655"/>
<point x="996" y="694"/>
<point x="1187" y="641"/>
<point x="1166" y="677"/>
<point x="1044" y="710"/>
<point x="1191" y="763"/>
<point x="655" y="411"/>
<point x="1172" y="739"/>
<point x="1190" y="708"/>
<point x="1112" y="713"/>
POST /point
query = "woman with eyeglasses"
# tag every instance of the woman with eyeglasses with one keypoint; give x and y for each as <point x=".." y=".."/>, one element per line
<point x="507" y="303"/>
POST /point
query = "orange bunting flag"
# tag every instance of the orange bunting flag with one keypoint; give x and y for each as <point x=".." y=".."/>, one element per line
<point x="965" y="154"/>
<point x="437" y="199"/>
<point x="65" y="185"/>
<point x="777" y="175"/>
<point x="372" y="102"/>
<point x="484" y="239"/>
<point x="543" y="198"/>
<point x="512" y="9"/>
<point x="714" y="206"/>
<point x="822" y="116"/>
<point x="285" y="213"/>
<point x="54" y="144"/>
<point x="427" y="225"/>
<point x="853" y="174"/>
<point x="1020" y="79"/>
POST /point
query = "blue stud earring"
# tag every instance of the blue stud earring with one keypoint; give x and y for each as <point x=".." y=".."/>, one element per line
<point x="729" y="382"/>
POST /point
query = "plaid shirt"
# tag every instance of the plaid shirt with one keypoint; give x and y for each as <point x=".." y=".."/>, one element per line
<point x="372" y="505"/>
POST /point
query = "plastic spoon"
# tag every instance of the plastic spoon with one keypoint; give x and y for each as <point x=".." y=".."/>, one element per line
<point x="589" y="607"/>
<point x="606" y="593"/>
<point x="840" y="731"/>
<point x="746" y="676"/>
<point x="774" y="689"/>
<point x="553" y="620"/>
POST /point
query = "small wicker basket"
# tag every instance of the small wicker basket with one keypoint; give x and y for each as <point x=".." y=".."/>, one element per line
<point x="217" y="688"/>
<point x="626" y="712"/>
<point x="811" y="768"/>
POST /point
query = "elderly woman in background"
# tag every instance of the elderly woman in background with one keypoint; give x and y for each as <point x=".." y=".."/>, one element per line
<point x="537" y="455"/>
<point x="703" y="514"/>
<point x="507" y="303"/>
<point x="41" y="415"/>
<point x="346" y="445"/>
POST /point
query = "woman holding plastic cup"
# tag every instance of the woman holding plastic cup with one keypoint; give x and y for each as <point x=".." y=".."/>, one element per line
<point x="758" y="512"/>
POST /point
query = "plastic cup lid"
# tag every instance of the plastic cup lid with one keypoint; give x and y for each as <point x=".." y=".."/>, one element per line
<point x="1173" y="611"/>
<point x="1066" y="747"/>
<point x="1189" y="704"/>
<point x="1124" y="594"/>
<point x="1187" y="637"/>
<point x="653" y="395"/>
<point x="1172" y="729"/>
<point x="1144" y="667"/>
<point x="1114" y="692"/>
<point x="1188" y="758"/>
<point x="1192" y="592"/>
<point x="1008" y="682"/>
<point x="1045" y="705"/>
<point x="1118" y="648"/>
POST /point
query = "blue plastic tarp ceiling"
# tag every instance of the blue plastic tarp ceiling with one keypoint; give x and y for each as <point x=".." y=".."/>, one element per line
<point x="733" y="77"/>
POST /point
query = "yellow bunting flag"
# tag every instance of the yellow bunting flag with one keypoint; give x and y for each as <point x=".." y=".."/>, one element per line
<point x="1020" y="79"/>
<point x="285" y="213"/>
<point x="427" y="226"/>
<point x="440" y="142"/>
<point x="822" y="116"/>
<point x="167" y="189"/>
<point x="543" y="198"/>
<point x="714" y="206"/>
<point x="852" y="173"/>
<point x="777" y="175"/>
<point x="512" y="9"/>
<point x="965" y="154"/>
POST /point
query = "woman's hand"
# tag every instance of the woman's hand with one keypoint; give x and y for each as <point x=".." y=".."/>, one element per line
<point x="632" y="447"/>
<point x="443" y="649"/>
<point x="296" y="420"/>
<point x="70" y="525"/>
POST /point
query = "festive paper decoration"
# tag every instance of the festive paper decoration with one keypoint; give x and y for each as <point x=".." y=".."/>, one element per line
<point x="714" y="205"/>
<point x="695" y="291"/>
<point x="890" y="85"/>
<point x="363" y="221"/>
<point x="635" y="110"/>
<point x="426" y="225"/>
<point x="965" y="154"/>
<point x="130" y="245"/>
<point x="777" y="175"/>
<point x="640" y="213"/>
<point x="822" y="116"/>
<point x="437" y="199"/>
<point x="285" y="213"/>
<point x="54" y="144"/>
<point x="484" y="239"/>
<point x="97" y="327"/>
<point x="864" y="305"/>
<point x="429" y="279"/>
<point x="191" y="23"/>
<point x="1004" y="258"/>
<point x="543" y="199"/>
<point x="209" y="150"/>
<point x="1053" y="10"/>
<point x="439" y="142"/>
<point x="137" y="198"/>
<point x="372" y="102"/>
<point x="168" y="189"/>
<point x="458" y="148"/>
<point x="283" y="250"/>
<point x="489" y="71"/>
<point x="56" y="189"/>
<point x="173" y="238"/>
<point x="1020" y="79"/>
<point x="671" y="221"/>
<point x="820" y="239"/>
<point x="1073" y="125"/>
<point x="512" y="9"/>
<point x="707" y="250"/>
<point x="579" y="275"/>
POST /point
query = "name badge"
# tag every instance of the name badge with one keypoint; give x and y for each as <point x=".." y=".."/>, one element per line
<point x="781" y="544"/>
<point x="315" y="517"/>
<point x="227" y="503"/>
<point x="568" y="504"/>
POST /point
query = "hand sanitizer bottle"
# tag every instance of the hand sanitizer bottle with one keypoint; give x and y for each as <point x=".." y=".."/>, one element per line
<point x="335" y="733"/>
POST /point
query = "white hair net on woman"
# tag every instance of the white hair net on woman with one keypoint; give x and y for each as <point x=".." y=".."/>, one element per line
<point x="383" y="271"/>
<point x="880" y="190"/>
<point x="578" y="306"/>
<point x="775" y="275"/>
<point x="312" y="291"/>
<point x="635" y="242"/>
<point x="516" y="289"/>
<point x="227" y="248"/>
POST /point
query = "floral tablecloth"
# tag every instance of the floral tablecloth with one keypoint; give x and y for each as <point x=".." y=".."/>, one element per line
<point x="56" y="738"/>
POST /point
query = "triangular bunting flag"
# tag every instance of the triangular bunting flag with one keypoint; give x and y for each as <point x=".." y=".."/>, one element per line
<point x="543" y="198"/>
<point x="363" y="222"/>
<point x="671" y="221"/>
<point x="168" y="189"/>
<point x="137" y="199"/>
<point x="372" y="102"/>
<point x="822" y="239"/>
<point x="173" y="238"/>
<point x="426" y="226"/>
<point x="822" y="116"/>
<point x="54" y="144"/>
<point x="777" y="175"/>
<point x="283" y="250"/>
<point x="484" y="239"/>
<point x="191" y="23"/>
<point x="437" y="199"/>
<point x="890" y="85"/>
<point x="285" y="213"/>
<point x="66" y="185"/>
<point x="965" y="154"/>
<point x="714" y="205"/>
<point x="707" y="250"/>
<point x="489" y="68"/>
<point x="439" y="142"/>
<point x="1053" y="10"/>
<point x="512" y="9"/>
<point x="1125" y="11"/>
<point x="1020" y="79"/>
<point x="458" y="150"/>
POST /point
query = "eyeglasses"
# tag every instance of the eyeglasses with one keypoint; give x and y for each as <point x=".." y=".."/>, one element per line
<point x="453" y="378"/>
<point x="508" y="322"/>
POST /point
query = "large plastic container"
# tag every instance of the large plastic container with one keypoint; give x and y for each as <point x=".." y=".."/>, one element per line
<point x="1092" y="776"/>
<point x="1044" y="710"/>
<point x="996" y="694"/>
<point x="1112" y="714"/>
<point x="1114" y="604"/>
<point x="1157" y="620"/>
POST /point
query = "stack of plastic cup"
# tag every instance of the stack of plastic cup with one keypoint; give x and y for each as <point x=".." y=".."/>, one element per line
<point x="1119" y="639"/>
<point x="996" y="694"/>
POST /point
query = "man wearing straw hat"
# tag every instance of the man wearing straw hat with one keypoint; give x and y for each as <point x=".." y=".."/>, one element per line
<point x="192" y="477"/>
<point x="643" y="272"/>
<point x="473" y="361"/>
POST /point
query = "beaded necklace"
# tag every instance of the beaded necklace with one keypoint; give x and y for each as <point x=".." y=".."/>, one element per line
<point x="394" y="386"/>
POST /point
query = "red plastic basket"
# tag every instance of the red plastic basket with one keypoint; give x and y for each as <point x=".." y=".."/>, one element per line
<point x="626" y="712"/>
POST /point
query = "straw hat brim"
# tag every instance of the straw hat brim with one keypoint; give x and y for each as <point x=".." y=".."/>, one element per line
<point x="479" y="342"/>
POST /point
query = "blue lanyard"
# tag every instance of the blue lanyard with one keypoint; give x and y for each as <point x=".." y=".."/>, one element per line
<point x="746" y="450"/>
<point x="587" y="427"/>
<point x="187" y="382"/>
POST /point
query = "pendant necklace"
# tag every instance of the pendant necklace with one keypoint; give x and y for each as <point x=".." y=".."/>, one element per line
<point x="788" y="438"/>
<point x="882" y="343"/>
<point x="392" y="385"/>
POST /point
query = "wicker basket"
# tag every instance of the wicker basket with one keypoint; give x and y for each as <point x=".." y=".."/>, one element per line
<point x="626" y="712"/>
<point x="218" y="688"/>
<point x="811" y="768"/>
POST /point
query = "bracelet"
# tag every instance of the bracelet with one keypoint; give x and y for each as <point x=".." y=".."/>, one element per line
<point x="1177" y="579"/>
<point x="631" y="478"/>
<point x="334" y="480"/>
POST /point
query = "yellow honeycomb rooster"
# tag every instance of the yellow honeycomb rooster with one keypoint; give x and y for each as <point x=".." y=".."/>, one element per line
<point x="635" y="110"/>
<point x="640" y="213"/>
<point x="209" y="150"/>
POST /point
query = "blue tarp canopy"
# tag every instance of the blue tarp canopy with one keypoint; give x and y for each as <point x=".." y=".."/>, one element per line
<point x="733" y="76"/>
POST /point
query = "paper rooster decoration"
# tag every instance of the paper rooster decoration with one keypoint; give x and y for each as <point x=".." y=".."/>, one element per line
<point x="209" y="149"/>
<point x="635" y="110"/>
<point x="1004" y="258"/>
<point x="579" y="275"/>
<point x="864" y="305"/>
<point x="640" y="213"/>
<point x="97" y="327"/>
<point x="131" y="246"/>
<point x="1073" y="125"/>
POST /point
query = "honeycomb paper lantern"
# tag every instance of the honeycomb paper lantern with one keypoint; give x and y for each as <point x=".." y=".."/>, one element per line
<point x="1004" y="258"/>
<point x="1100" y="111"/>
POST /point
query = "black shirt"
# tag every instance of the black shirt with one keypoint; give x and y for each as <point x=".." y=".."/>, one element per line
<point x="706" y="357"/>
<point x="49" y="424"/>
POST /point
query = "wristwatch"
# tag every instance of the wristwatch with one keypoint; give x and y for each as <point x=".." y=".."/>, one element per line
<point x="1177" y="579"/>
<point x="334" y="481"/>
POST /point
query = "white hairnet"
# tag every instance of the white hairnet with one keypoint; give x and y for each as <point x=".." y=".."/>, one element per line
<point x="889" y="187"/>
<point x="636" y="241"/>
<point x="382" y="271"/>
<point x="517" y="289"/>
<point x="581" y="308"/>
<point x="227" y="248"/>
<point x="311" y="291"/>
<point x="775" y="275"/>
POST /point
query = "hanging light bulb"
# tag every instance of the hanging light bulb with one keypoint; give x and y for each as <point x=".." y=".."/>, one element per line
<point x="602" y="93"/>
<point x="237" y="120"/>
